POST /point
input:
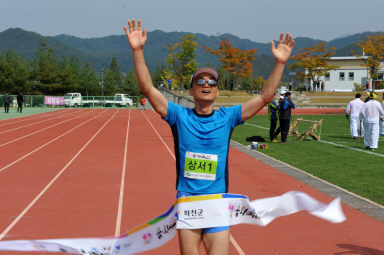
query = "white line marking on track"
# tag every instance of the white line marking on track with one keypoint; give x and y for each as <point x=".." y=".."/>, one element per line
<point x="236" y="245"/>
<point x="256" y="126"/>
<point x="26" y="209"/>
<point x="13" y="129"/>
<point x="42" y="146"/>
<point x="354" y="149"/>
<point x="232" y="239"/>
<point x="25" y="118"/>
<point x="161" y="139"/>
<point x="331" y="143"/>
<point x="19" y="138"/>
<point x="121" y="197"/>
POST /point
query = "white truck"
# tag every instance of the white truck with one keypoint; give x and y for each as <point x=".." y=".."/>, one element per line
<point x="76" y="100"/>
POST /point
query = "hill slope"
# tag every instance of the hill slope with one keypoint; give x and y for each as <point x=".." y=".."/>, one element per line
<point x="99" y="51"/>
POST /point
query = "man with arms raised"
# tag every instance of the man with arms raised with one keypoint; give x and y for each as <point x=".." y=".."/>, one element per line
<point x="202" y="135"/>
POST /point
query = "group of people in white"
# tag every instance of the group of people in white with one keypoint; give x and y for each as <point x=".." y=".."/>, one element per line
<point x="365" y="119"/>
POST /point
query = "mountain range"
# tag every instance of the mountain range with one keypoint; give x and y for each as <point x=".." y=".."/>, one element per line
<point x="100" y="51"/>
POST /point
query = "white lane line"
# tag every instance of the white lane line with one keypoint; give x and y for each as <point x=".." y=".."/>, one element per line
<point x="26" y="209"/>
<point x="13" y="129"/>
<point x="351" y="148"/>
<point x="42" y="146"/>
<point x="332" y="143"/>
<point x="121" y="196"/>
<point x="22" y="137"/>
<point x="161" y="139"/>
<point x="34" y="116"/>
<point x="256" y="126"/>
<point x="236" y="245"/>
<point x="232" y="239"/>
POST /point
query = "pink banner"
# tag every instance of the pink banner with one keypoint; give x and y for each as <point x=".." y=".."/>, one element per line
<point x="54" y="100"/>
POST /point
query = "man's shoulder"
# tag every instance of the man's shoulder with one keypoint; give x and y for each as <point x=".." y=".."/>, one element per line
<point x="175" y="106"/>
<point x="174" y="112"/>
<point x="358" y="101"/>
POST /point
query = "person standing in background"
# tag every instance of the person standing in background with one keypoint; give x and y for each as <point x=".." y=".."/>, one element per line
<point x="142" y="103"/>
<point x="20" y="101"/>
<point x="382" y="121"/>
<point x="273" y="117"/>
<point x="353" y="112"/>
<point x="285" y="106"/>
<point x="7" y="102"/>
<point x="307" y="86"/>
<point x="371" y="113"/>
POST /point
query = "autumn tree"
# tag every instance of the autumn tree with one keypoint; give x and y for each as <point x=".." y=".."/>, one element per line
<point x="259" y="82"/>
<point x="373" y="50"/>
<point x="181" y="63"/>
<point x="235" y="61"/>
<point x="312" y="62"/>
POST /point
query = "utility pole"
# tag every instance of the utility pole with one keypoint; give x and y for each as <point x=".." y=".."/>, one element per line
<point x="102" y="82"/>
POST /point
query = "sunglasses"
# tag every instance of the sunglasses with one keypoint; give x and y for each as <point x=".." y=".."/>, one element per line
<point x="202" y="82"/>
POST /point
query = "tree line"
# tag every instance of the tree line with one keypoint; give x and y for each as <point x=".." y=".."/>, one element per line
<point x="236" y="68"/>
<point x="49" y="74"/>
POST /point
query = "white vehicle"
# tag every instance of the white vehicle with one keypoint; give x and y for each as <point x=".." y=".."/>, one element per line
<point x="120" y="100"/>
<point x="76" y="100"/>
<point x="72" y="100"/>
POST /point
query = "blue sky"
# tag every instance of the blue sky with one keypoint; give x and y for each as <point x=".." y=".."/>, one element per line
<point x="257" y="20"/>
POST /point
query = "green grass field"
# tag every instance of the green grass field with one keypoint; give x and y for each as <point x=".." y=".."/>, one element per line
<point x="337" y="158"/>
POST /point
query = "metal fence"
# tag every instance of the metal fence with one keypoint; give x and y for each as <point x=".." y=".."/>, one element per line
<point x="180" y="100"/>
<point x="85" y="101"/>
<point x="29" y="100"/>
<point x="91" y="101"/>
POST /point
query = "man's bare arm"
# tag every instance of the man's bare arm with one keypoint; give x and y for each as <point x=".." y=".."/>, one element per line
<point x="281" y="54"/>
<point x="137" y="38"/>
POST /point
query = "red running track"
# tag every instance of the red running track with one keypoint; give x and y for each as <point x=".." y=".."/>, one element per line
<point x="102" y="172"/>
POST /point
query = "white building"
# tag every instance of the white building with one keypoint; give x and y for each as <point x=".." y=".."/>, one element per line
<point x="350" y="71"/>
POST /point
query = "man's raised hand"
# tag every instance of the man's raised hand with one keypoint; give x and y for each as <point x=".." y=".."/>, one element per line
<point x="137" y="36"/>
<point x="284" y="48"/>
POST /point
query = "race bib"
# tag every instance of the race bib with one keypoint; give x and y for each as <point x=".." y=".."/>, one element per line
<point x="200" y="166"/>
